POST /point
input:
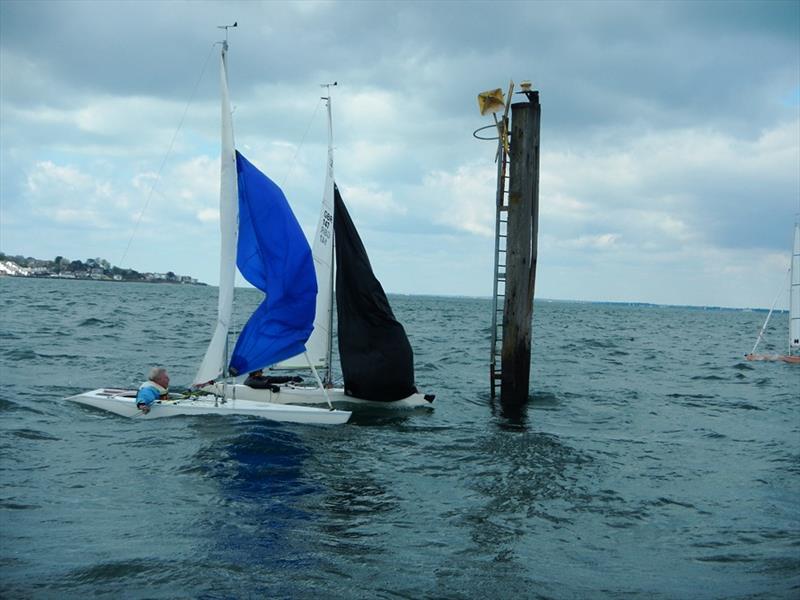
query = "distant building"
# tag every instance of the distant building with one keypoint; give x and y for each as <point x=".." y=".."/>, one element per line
<point x="9" y="268"/>
<point x="96" y="269"/>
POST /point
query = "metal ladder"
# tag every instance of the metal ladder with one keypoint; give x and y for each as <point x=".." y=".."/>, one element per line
<point x="500" y="253"/>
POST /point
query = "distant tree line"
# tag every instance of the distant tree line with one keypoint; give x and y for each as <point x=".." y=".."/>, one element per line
<point x="97" y="266"/>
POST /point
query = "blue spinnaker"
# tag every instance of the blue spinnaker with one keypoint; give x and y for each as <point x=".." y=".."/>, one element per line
<point x="272" y="254"/>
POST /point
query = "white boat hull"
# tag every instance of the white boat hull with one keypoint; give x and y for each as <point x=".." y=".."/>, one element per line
<point x="123" y="402"/>
<point x="297" y="394"/>
<point x="787" y="358"/>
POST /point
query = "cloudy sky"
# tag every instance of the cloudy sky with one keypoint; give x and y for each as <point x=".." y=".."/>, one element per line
<point x="670" y="167"/>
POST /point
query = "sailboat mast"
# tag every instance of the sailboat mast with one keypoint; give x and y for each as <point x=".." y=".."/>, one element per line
<point x="319" y="346"/>
<point x="214" y="362"/>
<point x="329" y="349"/>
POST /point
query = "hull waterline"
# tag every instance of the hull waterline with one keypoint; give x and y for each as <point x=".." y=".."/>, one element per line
<point x="293" y="394"/>
<point x="123" y="403"/>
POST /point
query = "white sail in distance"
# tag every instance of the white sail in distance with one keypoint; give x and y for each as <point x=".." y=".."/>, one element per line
<point x="794" y="292"/>
<point x="214" y="362"/>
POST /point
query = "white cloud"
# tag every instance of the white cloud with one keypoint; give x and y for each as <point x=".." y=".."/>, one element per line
<point x="193" y="182"/>
<point x="208" y="215"/>
<point x="463" y="200"/>
<point x="48" y="177"/>
<point x="65" y="195"/>
<point x="375" y="107"/>
<point x="560" y="205"/>
<point x="365" y="157"/>
<point x="370" y="200"/>
<point x="593" y="242"/>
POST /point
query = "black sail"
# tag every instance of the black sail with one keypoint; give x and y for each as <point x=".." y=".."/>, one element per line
<point x="376" y="357"/>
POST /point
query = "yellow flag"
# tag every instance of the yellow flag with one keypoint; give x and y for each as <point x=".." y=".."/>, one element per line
<point x="491" y="102"/>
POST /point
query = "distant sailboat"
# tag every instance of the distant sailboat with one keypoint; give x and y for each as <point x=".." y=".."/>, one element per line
<point x="260" y="235"/>
<point x="793" y="355"/>
<point x="376" y="358"/>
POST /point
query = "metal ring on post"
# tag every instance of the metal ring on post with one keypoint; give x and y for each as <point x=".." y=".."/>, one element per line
<point x="477" y="137"/>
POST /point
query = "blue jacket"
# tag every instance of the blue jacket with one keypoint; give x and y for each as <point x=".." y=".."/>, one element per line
<point x="148" y="393"/>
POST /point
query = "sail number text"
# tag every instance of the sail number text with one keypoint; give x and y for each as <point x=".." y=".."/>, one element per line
<point x="325" y="227"/>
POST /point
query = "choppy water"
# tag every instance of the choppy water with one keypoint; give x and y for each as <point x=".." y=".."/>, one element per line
<point x="653" y="462"/>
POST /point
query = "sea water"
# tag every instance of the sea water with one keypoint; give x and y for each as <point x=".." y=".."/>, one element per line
<point x="651" y="462"/>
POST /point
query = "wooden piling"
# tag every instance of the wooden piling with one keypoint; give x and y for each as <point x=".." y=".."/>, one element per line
<point x="521" y="244"/>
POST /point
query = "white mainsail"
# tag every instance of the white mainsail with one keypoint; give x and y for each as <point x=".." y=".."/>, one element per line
<point x="318" y="346"/>
<point x="214" y="362"/>
<point x="794" y="292"/>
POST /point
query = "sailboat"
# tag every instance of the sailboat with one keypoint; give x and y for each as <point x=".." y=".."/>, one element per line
<point x="793" y="355"/>
<point x="377" y="360"/>
<point x="260" y="235"/>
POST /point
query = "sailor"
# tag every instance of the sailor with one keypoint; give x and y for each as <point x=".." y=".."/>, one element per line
<point x="258" y="380"/>
<point x="155" y="388"/>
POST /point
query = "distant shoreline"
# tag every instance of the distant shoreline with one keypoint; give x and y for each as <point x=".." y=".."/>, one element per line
<point x="96" y="269"/>
<point x="103" y="280"/>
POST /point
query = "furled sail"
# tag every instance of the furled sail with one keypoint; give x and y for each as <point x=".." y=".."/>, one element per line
<point x="213" y="363"/>
<point x="273" y="255"/>
<point x="376" y="356"/>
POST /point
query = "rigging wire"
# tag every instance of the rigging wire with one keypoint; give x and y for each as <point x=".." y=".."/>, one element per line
<point x="166" y="156"/>
<point x="300" y="146"/>
<point x="769" y="314"/>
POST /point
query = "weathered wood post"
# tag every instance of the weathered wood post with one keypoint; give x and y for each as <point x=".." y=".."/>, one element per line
<point x="521" y="244"/>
